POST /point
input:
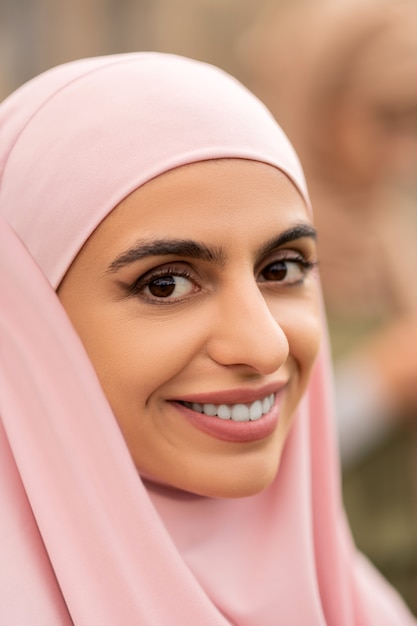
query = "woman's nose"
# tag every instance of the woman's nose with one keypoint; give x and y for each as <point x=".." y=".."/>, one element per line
<point x="245" y="333"/>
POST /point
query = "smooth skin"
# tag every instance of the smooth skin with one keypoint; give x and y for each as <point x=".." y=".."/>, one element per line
<point x="238" y="313"/>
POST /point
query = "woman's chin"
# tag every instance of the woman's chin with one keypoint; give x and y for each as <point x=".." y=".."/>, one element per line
<point x="228" y="486"/>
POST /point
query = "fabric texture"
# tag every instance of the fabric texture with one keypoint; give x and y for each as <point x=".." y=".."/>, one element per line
<point x="82" y="540"/>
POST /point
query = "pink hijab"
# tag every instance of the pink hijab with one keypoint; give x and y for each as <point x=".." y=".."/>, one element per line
<point x="82" y="540"/>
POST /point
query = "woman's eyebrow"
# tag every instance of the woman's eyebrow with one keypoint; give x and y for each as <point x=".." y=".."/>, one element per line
<point x="298" y="231"/>
<point x="198" y="250"/>
<point x="165" y="247"/>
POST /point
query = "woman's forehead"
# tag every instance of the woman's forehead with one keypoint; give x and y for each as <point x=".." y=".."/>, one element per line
<point x="213" y="202"/>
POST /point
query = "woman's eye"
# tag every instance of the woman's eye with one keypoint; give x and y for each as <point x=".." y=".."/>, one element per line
<point x="287" y="271"/>
<point x="168" y="286"/>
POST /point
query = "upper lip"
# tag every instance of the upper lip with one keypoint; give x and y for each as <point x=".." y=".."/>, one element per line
<point x="243" y="395"/>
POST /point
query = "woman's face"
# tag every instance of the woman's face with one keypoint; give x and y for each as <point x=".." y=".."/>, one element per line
<point x="197" y="304"/>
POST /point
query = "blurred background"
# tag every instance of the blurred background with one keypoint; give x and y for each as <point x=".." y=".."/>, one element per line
<point x="341" y="78"/>
<point x="36" y="34"/>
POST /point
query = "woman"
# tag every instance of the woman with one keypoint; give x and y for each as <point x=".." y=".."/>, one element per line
<point x="168" y="211"/>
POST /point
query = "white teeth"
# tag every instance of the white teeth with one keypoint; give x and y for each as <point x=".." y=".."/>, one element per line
<point x="240" y="413"/>
<point x="210" y="409"/>
<point x="224" y="412"/>
<point x="266" y="404"/>
<point x="235" y="412"/>
<point x="255" y="411"/>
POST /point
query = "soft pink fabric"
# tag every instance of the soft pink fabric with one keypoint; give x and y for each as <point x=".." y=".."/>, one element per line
<point x="80" y="138"/>
<point x="81" y="539"/>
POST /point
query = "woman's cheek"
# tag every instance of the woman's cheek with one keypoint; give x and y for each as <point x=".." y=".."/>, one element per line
<point x="302" y="327"/>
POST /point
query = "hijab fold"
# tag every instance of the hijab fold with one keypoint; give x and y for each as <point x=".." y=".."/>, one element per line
<point x="83" y="540"/>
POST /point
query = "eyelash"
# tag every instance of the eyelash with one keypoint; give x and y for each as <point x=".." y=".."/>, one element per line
<point x="144" y="281"/>
<point x="304" y="264"/>
<point x="138" y="287"/>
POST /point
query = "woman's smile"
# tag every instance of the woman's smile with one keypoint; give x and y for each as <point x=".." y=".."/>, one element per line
<point x="236" y="412"/>
<point x="235" y="415"/>
<point x="240" y="423"/>
<point x="201" y="320"/>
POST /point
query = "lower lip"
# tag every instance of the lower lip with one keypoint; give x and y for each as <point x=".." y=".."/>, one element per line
<point x="229" y="430"/>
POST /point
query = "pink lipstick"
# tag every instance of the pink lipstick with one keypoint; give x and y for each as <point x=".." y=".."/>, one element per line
<point x="234" y="416"/>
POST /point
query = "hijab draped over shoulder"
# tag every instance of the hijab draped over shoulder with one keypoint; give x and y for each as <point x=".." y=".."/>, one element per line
<point x="82" y="540"/>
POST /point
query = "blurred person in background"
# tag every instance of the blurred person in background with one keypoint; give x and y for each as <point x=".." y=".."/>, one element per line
<point x="346" y="94"/>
